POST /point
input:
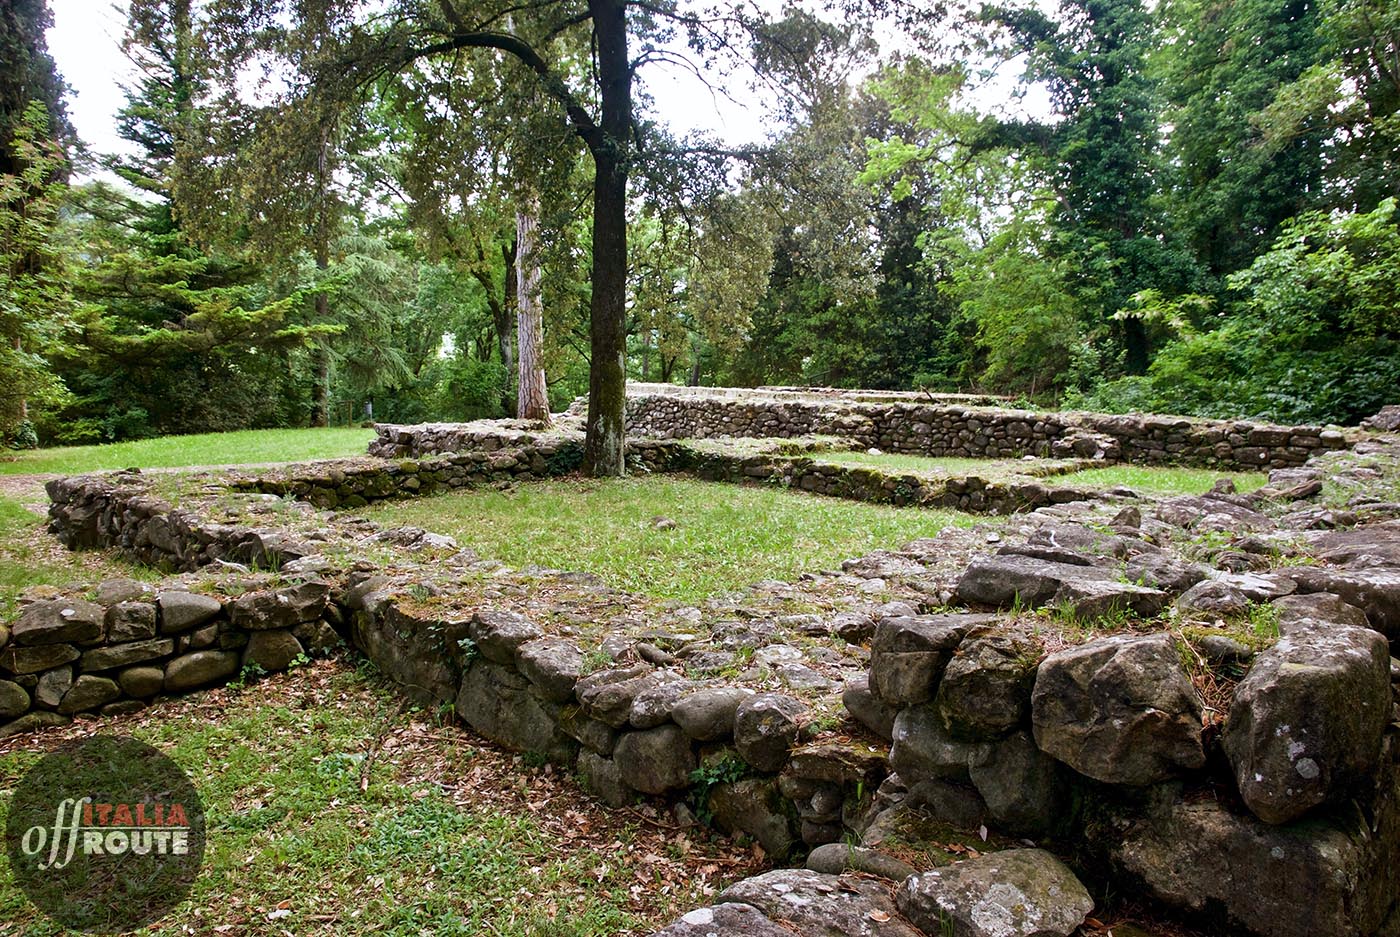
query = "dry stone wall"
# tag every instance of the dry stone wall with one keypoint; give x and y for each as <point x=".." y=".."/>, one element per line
<point x="129" y="642"/>
<point x="951" y="430"/>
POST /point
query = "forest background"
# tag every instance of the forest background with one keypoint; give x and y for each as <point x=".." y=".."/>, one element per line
<point x="312" y="227"/>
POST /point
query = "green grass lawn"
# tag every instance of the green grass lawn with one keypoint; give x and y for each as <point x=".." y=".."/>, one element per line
<point x="1161" y="480"/>
<point x="725" y="536"/>
<point x="240" y="448"/>
<point x="30" y="557"/>
<point x="332" y="811"/>
<point x="921" y="465"/>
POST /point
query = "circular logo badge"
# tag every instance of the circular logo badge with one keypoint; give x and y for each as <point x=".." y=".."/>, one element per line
<point x="105" y="835"/>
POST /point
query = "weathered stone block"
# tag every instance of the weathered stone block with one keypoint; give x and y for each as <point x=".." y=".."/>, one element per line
<point x="1119" y="710"/>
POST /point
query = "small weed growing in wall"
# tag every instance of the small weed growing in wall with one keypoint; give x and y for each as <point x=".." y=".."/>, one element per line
<point x="704" y="779"/>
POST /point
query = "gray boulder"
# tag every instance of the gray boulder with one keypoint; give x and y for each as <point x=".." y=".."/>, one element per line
<point x="1164" y="571"/>
<point x="58" y="621"/>
<point x="655" y="761"/>
<point x="707" y="715"/>
<point x="279" y="608"/>
<point x="1375" y="591"/>
<point x="1004" y="581"/>
<point x="835" y="858"/>
<point x="923" y="748"/>
<point x="141" y="682"/>
<point x="1304" y="879"/>
<point x="1317" y="607"/>
<point x="1119" y="710"/>
<point x="14" y="699"/>
<point x="1306" y="723"/>
<point x="1213" y="597"/>
<point x="183" y="611"/>
<point x="1025" y="790"/>
<point x="418" y="653"/>
<point x="653" y="705"/>
<point x="553" y="665"/>
<point x="986" y="688"/>
<point x="724" y="920"/>
<point x="602" y="778"/>
<point x="29" y="722"/>
<point x="1014" y="893"/>
<point x="587" y="731"/>
<point x="199" y="669"/>
<point x="124" y="655"/>
<point x="1205" y="513"/>
<point x="131" y="621"/>
<point x="908" y="654"/>
<point x="608" y="694"/>
<point x="53" y="684"/>
<point x="111" y="592"/>
<point x="766" y="727"/>
<point x="499" y="634"/>
<point x="496" y="701"/>
<point x="88" y="692"/>
<point x="868" y="709"/>
<point x="273" y="651"/>
<point x="817" y="905"/>
<point x="22" y="660"/>
<point x="755" y="806"/>
<point x="1093" y="599"/>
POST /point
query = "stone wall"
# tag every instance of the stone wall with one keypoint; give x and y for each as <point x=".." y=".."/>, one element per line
<point x="945" y="430"/>
<point x="629" y="726"/>
<point x="129" y="642"/>
<point x="1284" y="821"/>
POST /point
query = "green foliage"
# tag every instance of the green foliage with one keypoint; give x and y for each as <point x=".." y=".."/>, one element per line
<point x="35" y="298"/>
<point x="1312" y="338"/>
<point x="725" y="770"/>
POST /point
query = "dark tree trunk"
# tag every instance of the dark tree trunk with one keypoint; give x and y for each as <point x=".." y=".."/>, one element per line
<point x="504" y="316"/>
<point x="607" y="374"/>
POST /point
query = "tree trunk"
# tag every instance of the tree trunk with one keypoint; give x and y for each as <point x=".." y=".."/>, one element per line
<point x="23" y="400"/>
<point x="532" y="394"/>
<point x="505" y="320"/>
<point x="607" y="373"/>
<point x="321" y="365"/>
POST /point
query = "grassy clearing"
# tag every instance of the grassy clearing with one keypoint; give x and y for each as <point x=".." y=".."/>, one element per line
<point x="241" y="448"/>
<point x="1161" y="480"/>
<point x="30" y="557"/>
<point x="332" y="811"/>
<point x="725" y="536"/>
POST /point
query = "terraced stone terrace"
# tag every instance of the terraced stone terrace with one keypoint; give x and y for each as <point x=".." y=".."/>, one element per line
<point x="1062" y="694"/>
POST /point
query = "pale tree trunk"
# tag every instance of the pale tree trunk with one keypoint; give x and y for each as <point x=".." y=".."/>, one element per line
<point x="532" y="393"/>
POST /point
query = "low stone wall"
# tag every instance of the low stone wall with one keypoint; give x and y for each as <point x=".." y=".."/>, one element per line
<point x="119" y="511"/>
<point x="1105" y="748"/>
<point x="970" y="493"/>
<point x="629" y="727"/>
<point x="942" y="430"/>
<point x="130" y="643"/>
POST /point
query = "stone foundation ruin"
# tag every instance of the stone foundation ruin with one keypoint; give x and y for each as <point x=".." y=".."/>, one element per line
<point x="1191" y="700"/>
